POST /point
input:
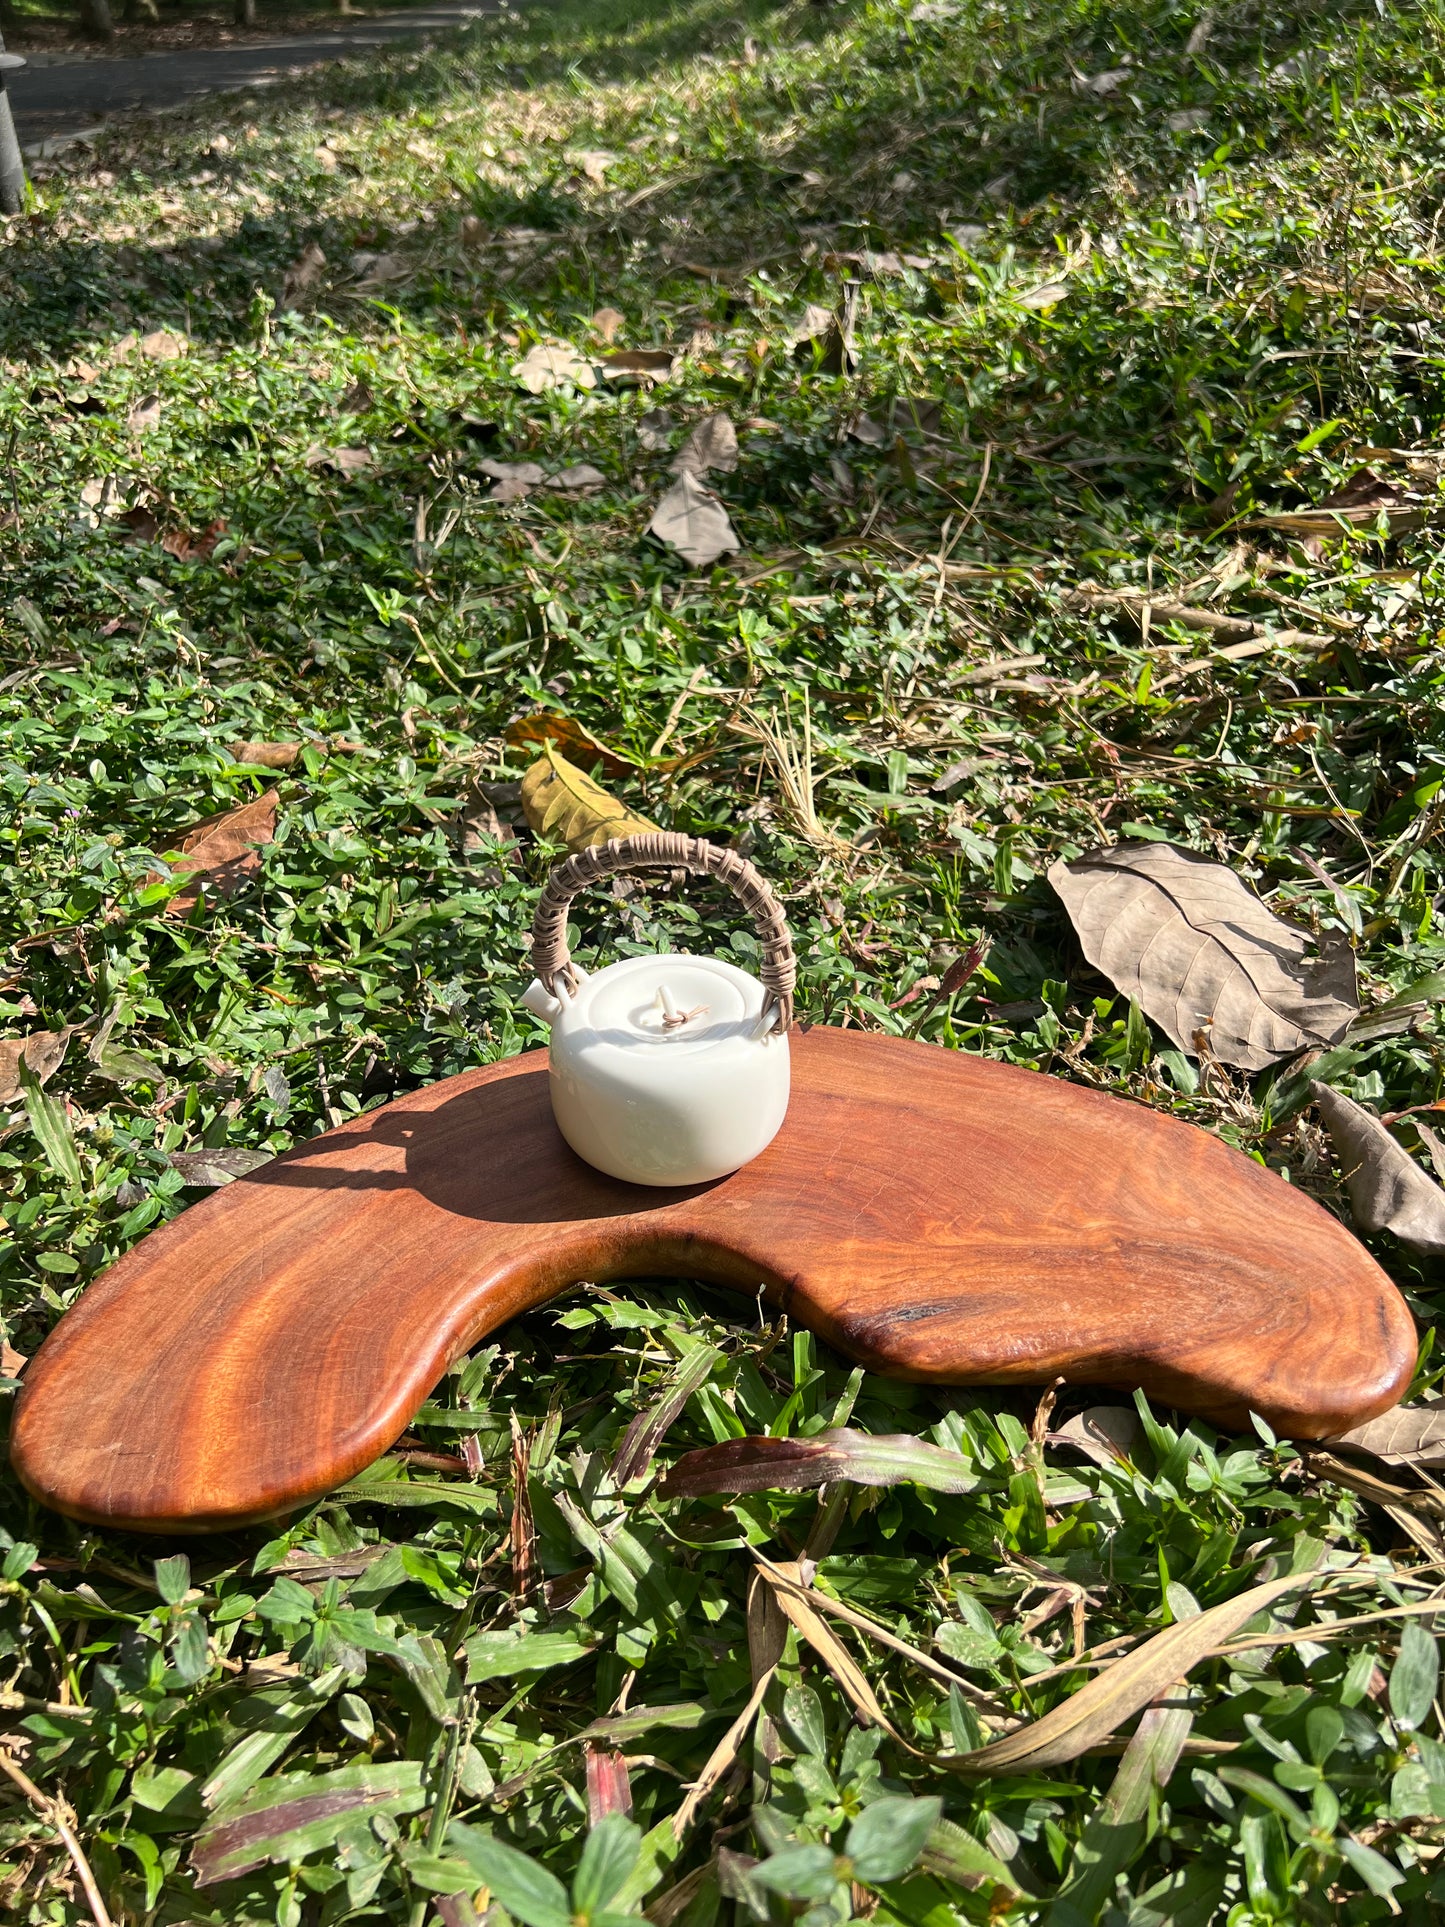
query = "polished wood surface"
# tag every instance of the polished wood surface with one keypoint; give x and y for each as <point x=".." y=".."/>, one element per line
<point x="933" y="1215"/>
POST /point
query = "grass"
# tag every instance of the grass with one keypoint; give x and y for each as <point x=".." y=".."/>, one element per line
<point x="1102" y="328"/>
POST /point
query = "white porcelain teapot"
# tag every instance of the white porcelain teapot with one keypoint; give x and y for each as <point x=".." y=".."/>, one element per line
<point x="670" y="1069"/>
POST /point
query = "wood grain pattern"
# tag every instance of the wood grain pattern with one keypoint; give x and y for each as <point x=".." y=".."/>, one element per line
<point x="933" y="1215"/>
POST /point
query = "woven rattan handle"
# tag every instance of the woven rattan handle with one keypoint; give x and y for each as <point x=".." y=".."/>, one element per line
<point x="663" y="850"/>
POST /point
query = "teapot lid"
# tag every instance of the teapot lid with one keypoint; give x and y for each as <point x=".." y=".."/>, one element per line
<point x="674" y="1003"/>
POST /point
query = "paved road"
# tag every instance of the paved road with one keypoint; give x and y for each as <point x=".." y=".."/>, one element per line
<point x="53" y="100"/>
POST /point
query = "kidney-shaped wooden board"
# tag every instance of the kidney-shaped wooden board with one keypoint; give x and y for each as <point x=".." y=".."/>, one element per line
<point x="934" y="1216"/>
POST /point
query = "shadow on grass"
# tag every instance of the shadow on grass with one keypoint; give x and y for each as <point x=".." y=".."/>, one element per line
<point x="788" y="124"/>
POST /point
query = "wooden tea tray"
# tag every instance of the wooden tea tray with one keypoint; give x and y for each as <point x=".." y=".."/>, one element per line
<point x="932" y="1215"/>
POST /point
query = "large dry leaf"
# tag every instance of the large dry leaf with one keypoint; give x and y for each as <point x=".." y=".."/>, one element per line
<point x="194" y="545"/>
<point x="816" y="322"/>
<point x="654" y="429"/>
<point x="639" y="364"/>
<point x="692" y="520"/>
<point x="105" y="495"/>
<point x="554" y="364"/>
<point x="713" y="443"/>
<point x="339" y="461"/>
<point x="145" y="415"/>
<point x="579" y="475"/>
<point x="1126" y="1687"/>
<point x="44" y="1053"/>
<point x="1388" y="1190"/>
<point x="302" y="275"/>
<point x="209" y="1170"/>
<point x="1360" y="503"/>
<point x="1405" y="1435"/>
<point x="375" y="270"/>
<point x="1201" y="954"/>
<point x="607" y="321"/>
<point x="358" y="400"/>
<point x="1107" y="1434"/>
<point x="527" y="474"/>
<point x="1048" y="296"/>
<point x="264" y="755"/>
<point x="221" y="853"/>
<point x="568" y="735"/>
<point x="163" y="345"/>
<point x="565" y="805"/>
<point x="789" y="1465"/>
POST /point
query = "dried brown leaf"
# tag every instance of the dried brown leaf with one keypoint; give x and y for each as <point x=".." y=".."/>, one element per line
<point x="522" y="1532"/>
<point x="692" y="520"/>
<point x="864" y="429"/>
<point x="1106" y="1434"/>
<point x="607" y="321"/>
<point x="639" y="364"/>
<point x="141" y="522"/>
<point x="581" y="475"/>
<point x="1405" y="1435"/>
<point x="44" y="1053"/>
<point x="524" y="474"/>
<point x="375" y="270"/>
<point x="1363" y="499"/>
<point x="302" y="275"/>
<point x="163" y="345"/>
<point x="1388" y="1190"/>
<point x="786" y="1582"/>
<point x="188" y="546"/>
<point x="339" y="461"/>
<point x="145" y="415"/>
<point x="221" y="854"/>
<point x="1125" y="1688"/>
<point x="1048" y="296"/>
<point x="713" y="443"/>
<point x="554" y="364"/>
<point x="264" y="755"/>
<point x="654" y="429"/>
<point x="575" y="742"/>
<point x="1187" y="939"/>
<point x="105" y="495"/>
<point x="209" y="1170"/>
<point x="721" y="1757"/>
<point x="816" y="322"/>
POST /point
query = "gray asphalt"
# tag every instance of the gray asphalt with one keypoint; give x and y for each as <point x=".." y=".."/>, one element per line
<point x="52" y="101"/>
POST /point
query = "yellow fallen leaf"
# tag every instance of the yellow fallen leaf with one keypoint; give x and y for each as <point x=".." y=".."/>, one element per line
<point x="565" y="805"/>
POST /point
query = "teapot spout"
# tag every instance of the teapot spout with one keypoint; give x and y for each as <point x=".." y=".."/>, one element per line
<point x="541" y="1003"/>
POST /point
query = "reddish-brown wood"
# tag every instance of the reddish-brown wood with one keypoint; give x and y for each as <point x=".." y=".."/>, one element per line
<point x="933" y="1215"/>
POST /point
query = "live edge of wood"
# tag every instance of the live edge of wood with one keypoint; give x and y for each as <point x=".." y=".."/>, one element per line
<point x="935" y="1216"/>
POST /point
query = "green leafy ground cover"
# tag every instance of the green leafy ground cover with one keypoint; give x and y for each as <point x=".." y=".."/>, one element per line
<point x="1126" y="281"/>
